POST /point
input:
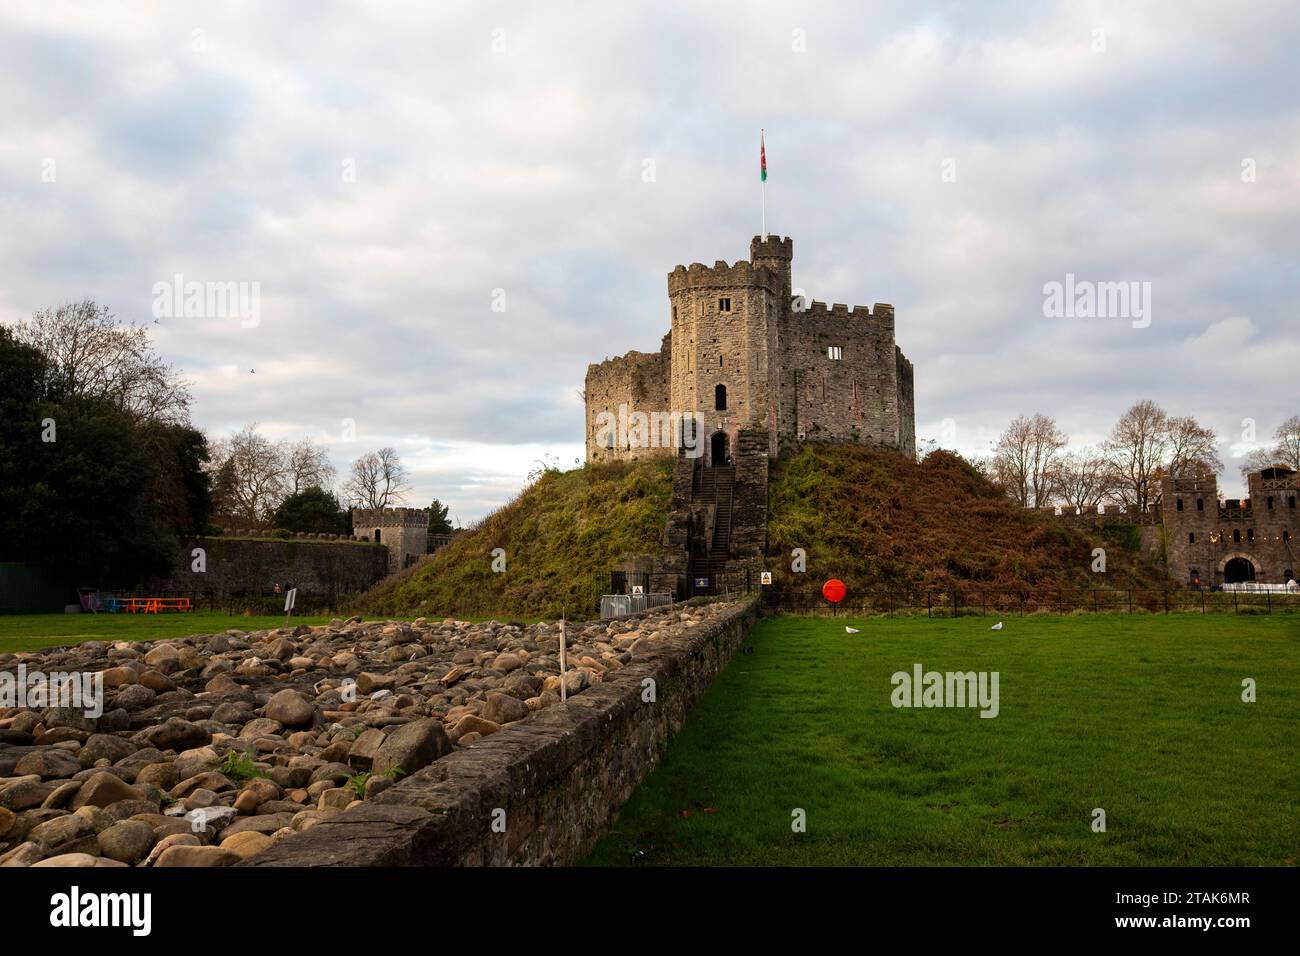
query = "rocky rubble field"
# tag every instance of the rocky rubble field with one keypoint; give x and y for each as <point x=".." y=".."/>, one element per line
<point x="210" y="748"/>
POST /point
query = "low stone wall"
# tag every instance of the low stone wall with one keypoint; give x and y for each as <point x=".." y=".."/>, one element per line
<point x="551" y="784"/>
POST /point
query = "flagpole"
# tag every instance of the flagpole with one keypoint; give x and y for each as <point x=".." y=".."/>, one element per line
<point x="763" y="192"/>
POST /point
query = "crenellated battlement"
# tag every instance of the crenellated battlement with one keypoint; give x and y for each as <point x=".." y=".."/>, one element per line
<point x="773" y="247"/>
<point x="390" y="517"/>
<point x="820" y="310"/>
<point x="721" y="276"/>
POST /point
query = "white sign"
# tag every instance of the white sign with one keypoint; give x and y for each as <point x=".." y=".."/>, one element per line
<point x="289" y="599"/>
<point x="637" y="589"/>
<point x="766" y="577"/>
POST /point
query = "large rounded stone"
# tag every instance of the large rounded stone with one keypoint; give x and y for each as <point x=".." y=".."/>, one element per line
<point x="473" y="724"/>
<point x="178" y="734"/>
<point x="412" y="746"/>
<point x="503" y="709"/>
<point x="128" y="841"/>
<point x="246" y="844"/>
<point x="59" y="832"/>
<point x="291" y="709"/>
<point x="197" y="856"/>
<point x="105" y="747"/>
<point x="103" y="790"/>
<point x="54" y="763"/>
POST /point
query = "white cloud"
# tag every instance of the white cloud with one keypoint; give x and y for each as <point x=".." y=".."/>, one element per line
<point x="520" y="170"/>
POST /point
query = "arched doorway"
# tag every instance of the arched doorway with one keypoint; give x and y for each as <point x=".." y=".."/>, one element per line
<point x="376" y="536"/>
<point x="719" y="449"/>
<point x="1237" y="570"/>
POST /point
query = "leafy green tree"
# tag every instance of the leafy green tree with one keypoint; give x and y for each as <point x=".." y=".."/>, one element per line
<point x="438" y="521"/>
<point x="315" y="511"/>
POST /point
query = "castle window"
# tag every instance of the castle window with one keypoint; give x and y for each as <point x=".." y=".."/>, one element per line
<point x="1250" y="534"/>
<point x="1270" y="502"/>
<point x="377" y="536"/>
<point x="834" y="353"/>
<point x="1236" y="536"/>
<point x="1290" y="502"/>
<point x="1286" y="535"/>
<point x="724" y="305"/>
<point x="1200" y="504"/>
<point x="720" y="398"/>
<point x="674" y="313"/>
<point x="1191" y="537"/>
<point x="719" y="361"/>
<point x="1178" y="504"/>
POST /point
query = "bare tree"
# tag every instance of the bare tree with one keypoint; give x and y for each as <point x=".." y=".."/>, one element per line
<point x="94" y="354"/>
<point x="1025" y="458"/>
<point x="1137" y="450"/>
<point x="1193" y="449"/>
<point x="306" y="465"/>
<point x="253" y="474"/>
<point x="1081" y="479"/>
<point x="378" y="480"/>
<point x="1285" y="452"/>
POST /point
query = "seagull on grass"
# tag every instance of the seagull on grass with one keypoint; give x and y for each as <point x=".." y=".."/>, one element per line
<point x="996" y="627"/>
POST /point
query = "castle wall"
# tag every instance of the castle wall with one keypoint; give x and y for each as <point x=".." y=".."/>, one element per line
<point x="620" y="387"/>
<point x="322" y="571"/>
<point x="853" y="398"/>
<point x="906" y="405"/>
<point x="403" y="531"/>
<point x="1200" y="540"/>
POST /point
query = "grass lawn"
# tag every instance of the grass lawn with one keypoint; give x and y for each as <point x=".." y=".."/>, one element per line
<point x="31" y="632"/>
<point x="1141" y="716"/>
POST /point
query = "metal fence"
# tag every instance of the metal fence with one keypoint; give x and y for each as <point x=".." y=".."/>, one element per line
<point x="1060" y="601"/>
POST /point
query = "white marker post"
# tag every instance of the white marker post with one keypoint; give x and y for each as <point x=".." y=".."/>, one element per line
<point x="564" y="695"/>
<point x="289" y="600"/>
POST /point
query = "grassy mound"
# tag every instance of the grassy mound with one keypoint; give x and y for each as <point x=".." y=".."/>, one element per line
<point x="880" y="521"/>
<point x="561" y="537"/>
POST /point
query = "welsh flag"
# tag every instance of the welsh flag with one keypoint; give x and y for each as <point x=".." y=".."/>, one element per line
<point x="762" y="159"/>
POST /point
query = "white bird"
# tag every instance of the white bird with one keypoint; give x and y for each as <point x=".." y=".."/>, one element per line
<point x="996" y="627"/>
<point x="851" y="630"/>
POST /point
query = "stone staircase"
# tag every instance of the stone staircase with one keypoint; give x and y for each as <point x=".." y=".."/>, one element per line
<point x="712" y="498"/>
<point x="717" y="521"/>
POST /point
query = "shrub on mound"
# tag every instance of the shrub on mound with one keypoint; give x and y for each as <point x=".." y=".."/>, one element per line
<point x="881" y="521"/>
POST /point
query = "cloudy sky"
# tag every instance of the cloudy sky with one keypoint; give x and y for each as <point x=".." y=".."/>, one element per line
<point x="388" y="172"/>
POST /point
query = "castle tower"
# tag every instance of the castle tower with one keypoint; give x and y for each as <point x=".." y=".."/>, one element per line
<point x="403" y="531"/>
<point x="722" y="322"/>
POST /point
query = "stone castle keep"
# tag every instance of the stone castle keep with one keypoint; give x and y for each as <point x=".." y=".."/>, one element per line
<point x="747" y="372"/>
<point x="744" y="353"/>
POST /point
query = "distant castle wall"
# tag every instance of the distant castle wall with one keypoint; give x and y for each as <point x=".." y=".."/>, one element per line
<point x="244" y="566"/>
<point x="403" y="531"/>
<point x="1197" y="535"/>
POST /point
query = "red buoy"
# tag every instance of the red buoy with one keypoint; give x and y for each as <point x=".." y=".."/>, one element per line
<point x="834" y="590"/>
